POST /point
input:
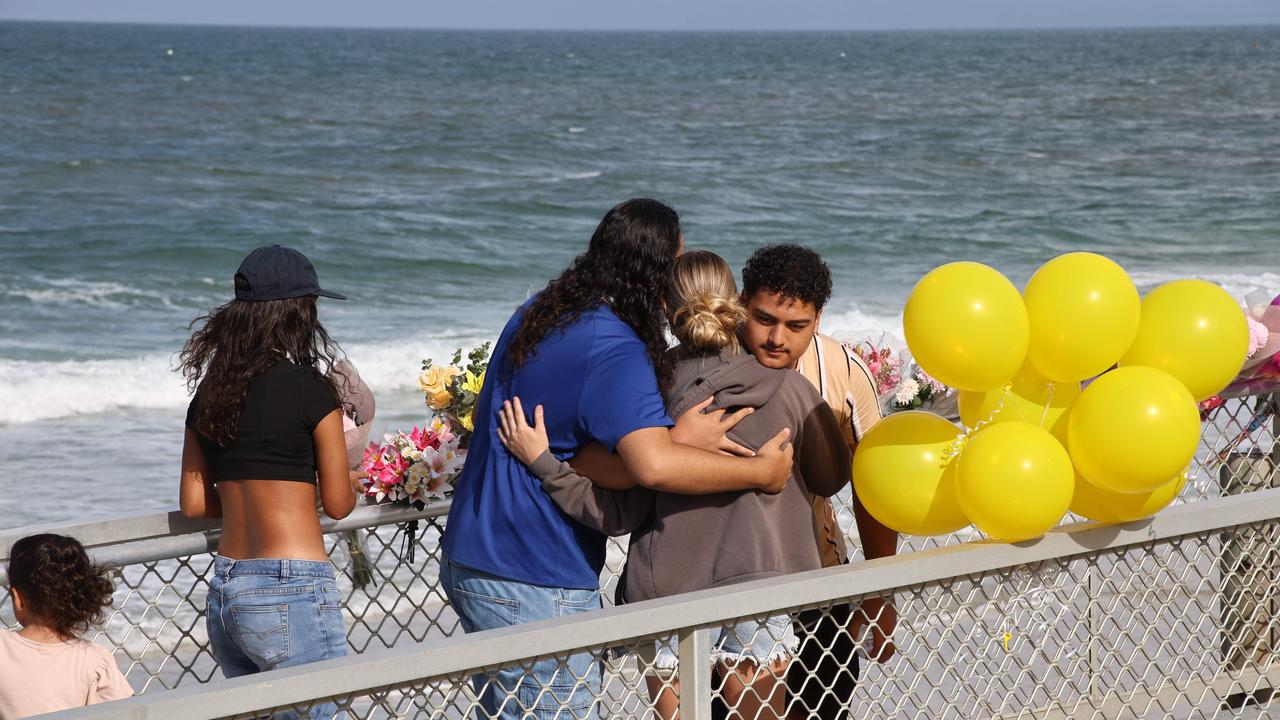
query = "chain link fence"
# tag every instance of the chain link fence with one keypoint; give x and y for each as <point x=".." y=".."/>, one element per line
<point x="1169" y="618"/>
<point x="1170" y="628"/>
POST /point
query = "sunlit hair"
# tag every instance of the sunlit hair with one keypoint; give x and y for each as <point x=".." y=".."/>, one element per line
<point x="702" y="303"/>
<point x="235" y="343"/>
<point x="624" y="268"/>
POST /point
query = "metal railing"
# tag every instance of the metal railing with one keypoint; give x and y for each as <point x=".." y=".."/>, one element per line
<point x="1163" y="631"/>
<point x="946" y="638"/>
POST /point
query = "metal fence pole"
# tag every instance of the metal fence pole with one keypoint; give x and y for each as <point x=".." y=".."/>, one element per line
<point x="695" y="674"/>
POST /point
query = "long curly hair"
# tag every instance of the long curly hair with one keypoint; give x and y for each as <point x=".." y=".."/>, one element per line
<point x="625" y="268"/>
<point x="702" y="303"/>
<point x="59" y="586"/>
<point x="235" y="343"/>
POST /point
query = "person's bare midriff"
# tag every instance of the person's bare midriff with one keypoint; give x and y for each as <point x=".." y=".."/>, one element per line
<point x="270" y="519"/>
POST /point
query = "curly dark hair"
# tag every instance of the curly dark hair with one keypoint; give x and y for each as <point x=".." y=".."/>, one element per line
<point x="235" y="343"/>
<point x="625" y="267"/>
<point x="792" y="271"/>
<point x="61" y="589"/>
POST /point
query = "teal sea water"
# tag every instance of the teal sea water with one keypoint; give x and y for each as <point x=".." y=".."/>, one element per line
<point x="439" y="177"/>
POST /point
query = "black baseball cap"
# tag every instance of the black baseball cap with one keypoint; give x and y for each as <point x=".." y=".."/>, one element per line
<point x="275" y="272"/>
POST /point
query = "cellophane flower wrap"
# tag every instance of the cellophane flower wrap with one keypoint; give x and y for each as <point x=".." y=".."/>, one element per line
<point x="901" y="384"/>
<point x="413" y="468"/>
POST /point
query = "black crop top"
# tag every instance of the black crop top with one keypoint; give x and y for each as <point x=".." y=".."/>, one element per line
<point x="281" y="409"/>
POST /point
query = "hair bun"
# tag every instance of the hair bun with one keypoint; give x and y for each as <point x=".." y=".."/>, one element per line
<point x="709" y="322"/>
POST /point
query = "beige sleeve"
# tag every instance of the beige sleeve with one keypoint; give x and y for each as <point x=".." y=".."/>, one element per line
<point x="108" y="683"/>
<point x="863" y="405"/>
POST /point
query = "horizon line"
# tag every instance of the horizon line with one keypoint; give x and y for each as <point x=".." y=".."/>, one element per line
<point x="421" y="28"/>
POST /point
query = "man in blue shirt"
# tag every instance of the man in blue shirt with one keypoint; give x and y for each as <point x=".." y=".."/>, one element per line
<point x="588" y="348"/>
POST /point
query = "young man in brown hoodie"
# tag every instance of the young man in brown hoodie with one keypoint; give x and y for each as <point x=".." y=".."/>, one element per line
<point x="784" y="289"/>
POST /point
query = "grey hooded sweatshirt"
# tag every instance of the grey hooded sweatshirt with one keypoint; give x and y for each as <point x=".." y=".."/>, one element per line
<point x="681" y="543"/>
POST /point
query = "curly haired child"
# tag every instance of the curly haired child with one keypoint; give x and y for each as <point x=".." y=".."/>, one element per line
<point x="57" y="594"/>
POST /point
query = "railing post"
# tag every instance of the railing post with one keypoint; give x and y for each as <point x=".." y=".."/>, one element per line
<point x="695" y="674"/>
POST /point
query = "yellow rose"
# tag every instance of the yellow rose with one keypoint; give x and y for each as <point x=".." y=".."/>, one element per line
<point x="439" y="400"/>
<point x="435" y="382"/>
<point x="437" y="378"/>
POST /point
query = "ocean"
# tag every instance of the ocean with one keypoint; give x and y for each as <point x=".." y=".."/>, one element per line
<point x="438" y="178"/>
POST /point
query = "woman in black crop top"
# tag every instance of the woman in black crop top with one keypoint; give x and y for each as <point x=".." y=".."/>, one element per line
<point x="263" y="430"/>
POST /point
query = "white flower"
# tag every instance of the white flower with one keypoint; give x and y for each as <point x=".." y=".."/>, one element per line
<point x="906" y="392"/>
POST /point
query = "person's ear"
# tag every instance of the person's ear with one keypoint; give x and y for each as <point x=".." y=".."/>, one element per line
<point x="19" y="605"/>
<point x="817" y="323"/>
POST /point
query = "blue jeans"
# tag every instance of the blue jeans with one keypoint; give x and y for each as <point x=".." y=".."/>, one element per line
<point x="548" y="688"/>
<point x="267" y="614"/>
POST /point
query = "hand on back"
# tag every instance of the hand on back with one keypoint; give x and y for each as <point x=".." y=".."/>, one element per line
<point x="776" y="459"/>
<point x="708" y="430"/>
<point x="526" y="442"/>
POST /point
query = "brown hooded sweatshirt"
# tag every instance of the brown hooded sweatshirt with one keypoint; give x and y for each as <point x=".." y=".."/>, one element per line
<point x="681" y="543"/>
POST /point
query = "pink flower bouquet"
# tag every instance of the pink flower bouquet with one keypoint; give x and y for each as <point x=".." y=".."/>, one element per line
<point x="413" y="468"/>
<point x="901" y="384"/>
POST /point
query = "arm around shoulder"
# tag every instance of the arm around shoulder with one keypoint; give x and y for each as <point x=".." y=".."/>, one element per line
<point x="610" y="512"/>
<point x="659" y="464"/>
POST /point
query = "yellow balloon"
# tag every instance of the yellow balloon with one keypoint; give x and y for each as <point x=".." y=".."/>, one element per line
<point x="1107" y="506"/>
<point x="1193" y="330"/>
<point x="1132" y="429"/>
<point x="901" y="479"/>
<point x="967" y="326"/>
<point x="1084" y="312"/>
<point x="1031" y="398"/>
<point x="1014" y="481"/>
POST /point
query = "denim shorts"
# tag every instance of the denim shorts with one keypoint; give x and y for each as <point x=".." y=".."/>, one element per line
<point x="566" y="689"/>
<point x="266" y="613"/>
<point x="756" y="641"/>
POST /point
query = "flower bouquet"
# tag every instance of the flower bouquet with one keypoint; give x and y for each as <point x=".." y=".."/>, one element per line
<point x="413" y="468"/>
<point x="901" y="384"/>
<point x="452" y="389"/>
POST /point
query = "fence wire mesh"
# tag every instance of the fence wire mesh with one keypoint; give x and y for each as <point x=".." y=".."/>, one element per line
<point x="1177" y="628"/>
<point x="1180" y="628"/>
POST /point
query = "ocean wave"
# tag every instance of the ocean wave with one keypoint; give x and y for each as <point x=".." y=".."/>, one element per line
<point x="1238" y="284"/>
<point x="574" y="176"/>
<point x="35" y="390"/>
<point x="71" y="291"/>
<point x="854" y="323"/>
<point x="32" y="390"/>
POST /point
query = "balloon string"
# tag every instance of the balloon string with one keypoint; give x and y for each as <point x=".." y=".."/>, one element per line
<point x="955" y="447"/>
<point x="1048" y="402"/>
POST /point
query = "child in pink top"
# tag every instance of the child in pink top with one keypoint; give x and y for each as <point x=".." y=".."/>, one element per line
<point x="57" y="594"/>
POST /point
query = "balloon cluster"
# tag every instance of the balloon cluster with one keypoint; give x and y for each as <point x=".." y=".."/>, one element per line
<point x="1037" y="441"/>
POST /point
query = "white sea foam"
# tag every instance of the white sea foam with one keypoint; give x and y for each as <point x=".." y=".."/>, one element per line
<point x="1238" y="284"/>
<point x="31" y="390"/>
<point x="73" y="291"/>
<point x="34" y="390"/>
<point x="854" y="322"/>
<point x="575" y="176"/>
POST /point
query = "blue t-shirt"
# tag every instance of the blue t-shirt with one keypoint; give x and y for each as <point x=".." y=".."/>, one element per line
<point x="595" y="383"/>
